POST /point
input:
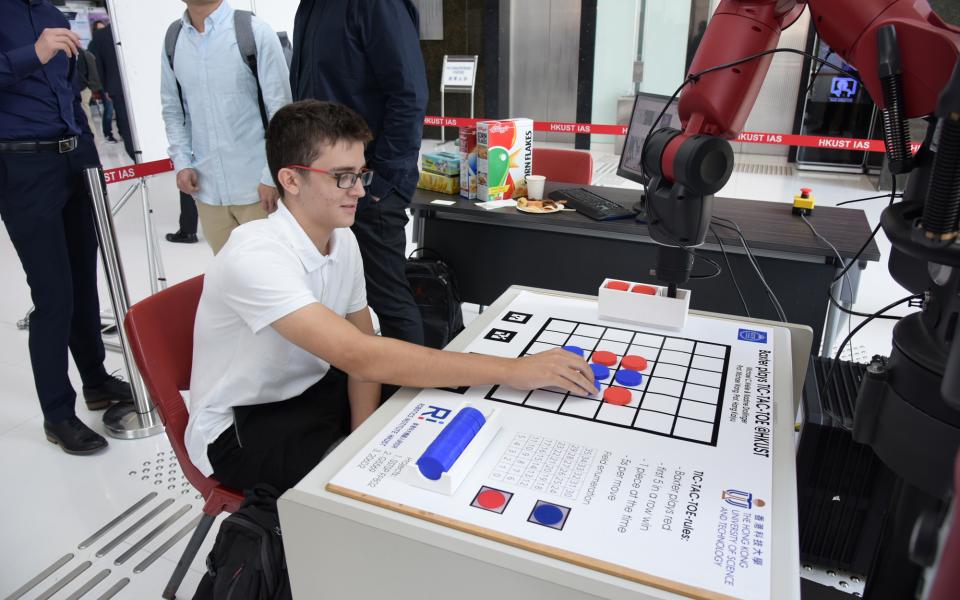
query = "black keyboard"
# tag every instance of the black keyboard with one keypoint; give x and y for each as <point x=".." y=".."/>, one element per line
<point x="592" y="205"/>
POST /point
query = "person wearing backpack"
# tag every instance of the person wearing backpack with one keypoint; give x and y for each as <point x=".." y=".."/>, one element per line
<point x="88" y="80"/>
<point x="104" y="48"/>
<point x="223" y="74"/>
<point x="285" y="359"/>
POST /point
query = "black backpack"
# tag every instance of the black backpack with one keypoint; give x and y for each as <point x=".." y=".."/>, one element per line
<point x="435" y="291"/>
<point x="247" y="560"/>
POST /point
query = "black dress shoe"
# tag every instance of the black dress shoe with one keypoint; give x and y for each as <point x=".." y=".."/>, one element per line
<point x="110" y="391"/>
<point x="178" y="237"/>
<point x="73" y="436"/>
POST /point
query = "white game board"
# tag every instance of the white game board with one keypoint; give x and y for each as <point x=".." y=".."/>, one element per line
<point x="672" y="490"/>
<point x="678" y="396"/>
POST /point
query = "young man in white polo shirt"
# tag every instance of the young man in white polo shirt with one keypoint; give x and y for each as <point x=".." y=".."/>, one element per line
<point x="285" y="358"/>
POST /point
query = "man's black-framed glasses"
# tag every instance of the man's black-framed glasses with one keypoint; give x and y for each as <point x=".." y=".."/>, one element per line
<point x="345" y="180"/>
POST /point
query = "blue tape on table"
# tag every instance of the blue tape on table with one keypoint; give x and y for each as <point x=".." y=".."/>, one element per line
<point x="628" y="378"/>
<point x="575" y="349"/>
<point x="450" y="443"/>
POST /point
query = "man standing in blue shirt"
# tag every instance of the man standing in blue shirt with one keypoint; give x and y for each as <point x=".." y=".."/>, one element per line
<point x="366" y="54"/>
<point x="212" y="116"/>
<point x="45" y="143"/>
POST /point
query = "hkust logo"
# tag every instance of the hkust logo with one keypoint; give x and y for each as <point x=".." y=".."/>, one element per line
<point x="752" y="335"/>
<point x="742" y="499"/>
<point x="435" y="414"/>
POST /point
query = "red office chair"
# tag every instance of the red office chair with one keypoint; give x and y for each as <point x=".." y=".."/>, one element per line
<point x="160" y="333"/>
<point x="568" y="166"/>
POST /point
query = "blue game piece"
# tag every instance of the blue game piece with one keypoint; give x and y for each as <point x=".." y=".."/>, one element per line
<point x="628" y="378"/>
<point x="548" y="514"/>
<point x="450" y="443"/>
<point x="600" y="372"/>
<point x="575" y="349"/>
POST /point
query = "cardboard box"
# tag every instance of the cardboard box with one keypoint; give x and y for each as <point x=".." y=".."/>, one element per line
<point x="504" y="158"/>
<point x="441" y="163"/>
<point x="468" y="162"/>
<point x="433" y="182"/>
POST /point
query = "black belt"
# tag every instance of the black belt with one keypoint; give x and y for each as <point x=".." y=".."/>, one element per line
<point x="61" y="146"/>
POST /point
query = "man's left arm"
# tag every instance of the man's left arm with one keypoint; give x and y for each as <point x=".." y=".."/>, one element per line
<point x="392" y="43"/>
<point x="364" y="396"/>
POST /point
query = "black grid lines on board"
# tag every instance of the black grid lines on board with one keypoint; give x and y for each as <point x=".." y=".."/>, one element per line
<point x="681" y="395"/>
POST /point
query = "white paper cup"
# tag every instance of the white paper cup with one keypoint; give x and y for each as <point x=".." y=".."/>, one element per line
<point x="535" y="186"/>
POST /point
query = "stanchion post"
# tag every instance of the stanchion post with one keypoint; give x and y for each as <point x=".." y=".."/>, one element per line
<point x="158" y="280"/>
<point x="122" y="420"/>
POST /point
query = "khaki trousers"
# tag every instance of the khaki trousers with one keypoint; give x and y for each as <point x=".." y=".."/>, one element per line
<point x="85" y="95"/>
<point x="219" y="221"/>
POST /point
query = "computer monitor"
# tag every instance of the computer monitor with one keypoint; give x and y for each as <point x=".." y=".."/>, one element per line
<point x="646" y="107"/>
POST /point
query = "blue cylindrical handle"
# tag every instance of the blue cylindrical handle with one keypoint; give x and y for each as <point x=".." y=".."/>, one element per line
<point x="453" y="439"/>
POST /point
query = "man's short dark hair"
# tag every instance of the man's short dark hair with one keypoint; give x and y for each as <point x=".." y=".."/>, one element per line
<point x="298" y="131"/>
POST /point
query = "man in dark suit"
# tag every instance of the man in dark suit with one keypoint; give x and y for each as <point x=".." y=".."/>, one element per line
<point x="102" y="46"/>
<point x="45" y="144"/>
<point x="366" y="54"/>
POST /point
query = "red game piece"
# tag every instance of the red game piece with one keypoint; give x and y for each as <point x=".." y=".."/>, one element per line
<point x="618" y="285"/>
<point x="634" y="362"/>
<point x="644" y="289"/>
<point x="617" y="395"/>
<point x="491" y="499"/>
<point x="602" y="357"/>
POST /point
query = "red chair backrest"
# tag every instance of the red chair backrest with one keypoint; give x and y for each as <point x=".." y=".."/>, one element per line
<point x="160" y="333"/>
<point x="567" y="166"/>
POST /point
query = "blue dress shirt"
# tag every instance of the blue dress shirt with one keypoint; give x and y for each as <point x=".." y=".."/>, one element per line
<point x="37" y="102"/>
<point x="221" y="135"/>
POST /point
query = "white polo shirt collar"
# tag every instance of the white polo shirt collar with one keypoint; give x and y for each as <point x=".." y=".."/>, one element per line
<point x="311" y="258"/>
<point x="213" y="20"/>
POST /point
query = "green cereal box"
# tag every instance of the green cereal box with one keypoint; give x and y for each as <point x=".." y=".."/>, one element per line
<point x="434" y="182"/>
<point x="441" y="163"/>
<point x="504" y="158"/>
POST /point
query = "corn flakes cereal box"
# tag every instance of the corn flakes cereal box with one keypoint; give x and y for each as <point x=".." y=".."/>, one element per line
<point x="504" y="158"/>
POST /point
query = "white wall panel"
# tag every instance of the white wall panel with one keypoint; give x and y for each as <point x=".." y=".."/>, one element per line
<point x="666" y="28"/>
<point x="615" y="53"/>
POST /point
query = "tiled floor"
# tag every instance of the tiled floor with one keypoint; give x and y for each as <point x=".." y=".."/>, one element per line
<point x="52" y="501"/>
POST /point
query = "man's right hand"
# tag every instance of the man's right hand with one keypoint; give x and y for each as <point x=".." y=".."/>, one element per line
<point x="554" y="368"/>
<point x="55" y="39"/>
<point x="187" y="181"/>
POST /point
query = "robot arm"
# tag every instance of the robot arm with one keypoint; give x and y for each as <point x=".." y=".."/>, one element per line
<point x="719" y="103"/>
<point x="908" y="409"/>
<point x="686" y="167"/>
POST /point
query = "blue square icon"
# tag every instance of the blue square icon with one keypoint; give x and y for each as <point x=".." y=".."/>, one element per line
<point x="549" y="514"/>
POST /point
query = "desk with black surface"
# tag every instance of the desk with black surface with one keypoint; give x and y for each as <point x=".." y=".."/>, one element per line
<point x="490" y="250"/>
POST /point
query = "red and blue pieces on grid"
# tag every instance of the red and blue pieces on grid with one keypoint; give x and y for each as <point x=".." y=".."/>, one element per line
<point x="628" y="375"/>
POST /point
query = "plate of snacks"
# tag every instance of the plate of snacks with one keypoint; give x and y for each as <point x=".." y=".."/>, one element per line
<point x="539" y="207"/>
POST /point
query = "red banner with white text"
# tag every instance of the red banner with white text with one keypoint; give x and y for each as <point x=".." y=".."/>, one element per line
<point x="747" y="137"/>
